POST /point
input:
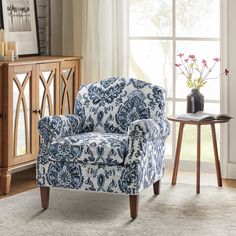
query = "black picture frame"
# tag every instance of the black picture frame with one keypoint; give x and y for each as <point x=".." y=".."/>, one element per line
<point x="2" y="25"/>
<point x="1" y="16"/>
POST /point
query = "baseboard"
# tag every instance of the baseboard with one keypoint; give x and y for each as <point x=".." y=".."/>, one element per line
<point x="191" y="166"/>
<point x="21" y="168"/>
<point x="231" y="171"/>
<point x="205" y="167"/>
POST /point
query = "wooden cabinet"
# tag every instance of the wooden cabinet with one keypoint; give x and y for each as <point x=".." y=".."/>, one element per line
<point x="69" y="83"/>
<point x="1" y="117"/>
<point x="31" y="88"/>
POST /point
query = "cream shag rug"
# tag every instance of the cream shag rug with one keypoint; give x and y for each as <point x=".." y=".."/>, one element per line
<point x="176" y="211"/>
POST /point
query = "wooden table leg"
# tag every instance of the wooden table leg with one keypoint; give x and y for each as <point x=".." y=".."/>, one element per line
<point x="217" y="161"/>
<point x="177" y="154"/>
<point x="198" y="157"/>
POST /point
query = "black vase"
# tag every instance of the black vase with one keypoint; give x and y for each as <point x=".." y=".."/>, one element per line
<point x="195" y="101"/>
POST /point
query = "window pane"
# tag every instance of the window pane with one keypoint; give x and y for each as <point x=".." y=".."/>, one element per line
<point x="189" y="144"/>
<point x="212" y="108"/>
<point x="197" y="18"/>
<point x="150" y="17"/>
<point x="151" y="60"/>
<point x="202" y="50"/>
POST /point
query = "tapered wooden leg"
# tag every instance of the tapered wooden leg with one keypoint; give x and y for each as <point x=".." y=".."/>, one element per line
<point x="133" y="201"/>
<point x="156" y="187"/>
<point x="177" y="154"/>
<point x="45" y="192"/>
<point x="5" y="181"/>
<point x="217" y="161"/>
<point x="198" y="157"/>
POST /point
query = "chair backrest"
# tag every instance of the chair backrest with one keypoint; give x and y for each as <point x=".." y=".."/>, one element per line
<point x="112" y="104"/>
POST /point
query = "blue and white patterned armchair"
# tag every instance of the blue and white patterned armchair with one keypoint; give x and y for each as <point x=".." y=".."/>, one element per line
<point x="113" y="143"/>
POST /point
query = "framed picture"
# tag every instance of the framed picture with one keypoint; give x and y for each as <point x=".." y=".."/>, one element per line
<point x="19" y="20"/>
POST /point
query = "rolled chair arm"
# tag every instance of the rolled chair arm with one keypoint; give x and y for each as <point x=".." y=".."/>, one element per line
<point x="149" y="128"/>
<point x="142" y="131"/>
<point x="52" y="128"/>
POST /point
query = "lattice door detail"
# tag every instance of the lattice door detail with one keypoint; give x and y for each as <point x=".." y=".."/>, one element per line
<point x="47" y="93"/>
<point x="21" y="114"/>
<point x="66" y="91"/>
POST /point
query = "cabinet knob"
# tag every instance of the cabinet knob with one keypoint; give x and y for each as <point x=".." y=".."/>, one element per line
<point x="37" y="111"/>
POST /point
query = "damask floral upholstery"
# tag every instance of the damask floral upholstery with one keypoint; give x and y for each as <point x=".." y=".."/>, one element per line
<point x="113" y="143"/>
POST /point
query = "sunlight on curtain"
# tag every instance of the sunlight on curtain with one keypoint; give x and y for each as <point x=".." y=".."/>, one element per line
<point x="105" y="39"/>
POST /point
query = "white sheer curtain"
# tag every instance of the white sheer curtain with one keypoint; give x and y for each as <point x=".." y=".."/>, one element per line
<point x="105" y="39"/>
<point x="99" y="30"/>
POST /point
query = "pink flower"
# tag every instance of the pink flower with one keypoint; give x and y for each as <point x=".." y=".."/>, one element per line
<point x="204" y="62"/>
<point x="192" y="57"/>
<point x="180" y="55"/>
<point x="216" y="59"/>
<point x="177" y="65"/>
<point x="186" y="60"/>
<point x="226" y="71"/>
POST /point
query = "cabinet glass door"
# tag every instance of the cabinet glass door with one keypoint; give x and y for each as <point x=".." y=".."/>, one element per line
<point x="1" y="115"/>
<point x="21" y="113"/>
<point x="47" y="89"/>
<point x="46" y="93"/>
<point x="68" y="86"/>
<point x="22" y="117"/>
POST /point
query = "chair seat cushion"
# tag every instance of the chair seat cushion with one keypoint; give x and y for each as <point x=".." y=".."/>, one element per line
<point x="93" y="147"/>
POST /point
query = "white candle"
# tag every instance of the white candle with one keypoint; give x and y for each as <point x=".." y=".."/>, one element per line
<point x="2" y="49"/>
<point x="13" y="46"/>
<point x="10" y="55"/>
<point x="2" y="35"/>
<point x="5" y="48"/>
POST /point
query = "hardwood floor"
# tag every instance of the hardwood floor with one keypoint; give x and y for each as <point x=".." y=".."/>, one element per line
<point x="25" y="180"/>
<point x="21" y="182"/>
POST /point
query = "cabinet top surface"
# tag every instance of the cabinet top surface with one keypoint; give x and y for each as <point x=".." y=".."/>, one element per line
<point x="38" y="59"/>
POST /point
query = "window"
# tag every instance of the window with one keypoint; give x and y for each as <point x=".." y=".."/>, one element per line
<point x="158" y="31"/>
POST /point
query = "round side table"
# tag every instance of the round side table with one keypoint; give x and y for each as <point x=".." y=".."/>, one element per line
<point x="184" y="122"/>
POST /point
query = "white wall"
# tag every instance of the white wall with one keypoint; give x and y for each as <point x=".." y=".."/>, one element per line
<point x="72" y="27"/>
<point x="56" y="27"/>
<point x="66" y="27"/>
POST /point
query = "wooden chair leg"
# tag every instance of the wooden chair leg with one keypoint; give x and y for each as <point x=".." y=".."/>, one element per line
<point x="133" y="200"/>
<point x="156" y="187"/>
<point x="45" y="192"/>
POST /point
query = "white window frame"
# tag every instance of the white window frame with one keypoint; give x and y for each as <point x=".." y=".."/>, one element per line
<point x="223" y="102"/>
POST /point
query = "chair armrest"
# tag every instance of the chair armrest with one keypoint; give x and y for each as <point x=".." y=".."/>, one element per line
<point x="149" y="128"/>
<point x="144" y="131"/>
<point x="52" y="128"/>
